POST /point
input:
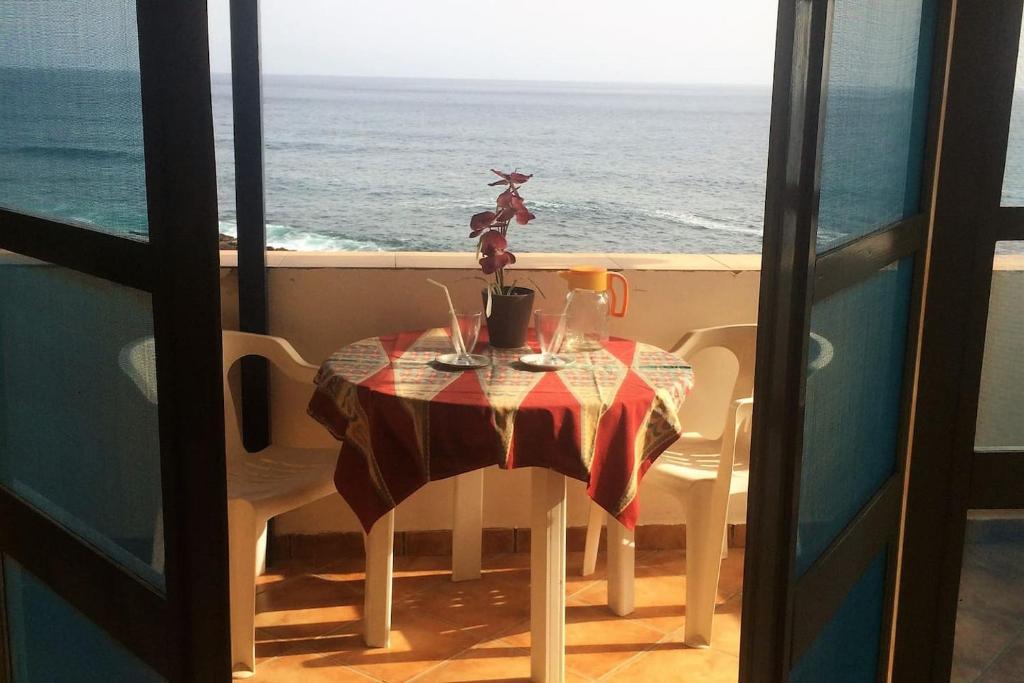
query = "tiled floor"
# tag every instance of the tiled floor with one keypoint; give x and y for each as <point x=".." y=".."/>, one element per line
<point x="990" y="620"/>
<point x="308" y="627"/>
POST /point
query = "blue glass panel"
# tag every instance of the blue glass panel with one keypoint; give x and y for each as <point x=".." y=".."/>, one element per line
<point x="1002" y="376"/>
<point x="79" y="438"/>
<point x="51" y="642"/>
<point x="71" y="113"/>
<point x="852" y="415"/>
<point x="1013" y="173"/>
<point x="846" y="650"/>
<point x="875" y="116"/>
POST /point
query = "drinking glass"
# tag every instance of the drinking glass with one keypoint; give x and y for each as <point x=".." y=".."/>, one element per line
<point x="550" y="334"/>
<point x="464" y="330"/>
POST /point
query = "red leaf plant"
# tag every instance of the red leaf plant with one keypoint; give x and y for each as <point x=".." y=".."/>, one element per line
<point x="491" y="227"/>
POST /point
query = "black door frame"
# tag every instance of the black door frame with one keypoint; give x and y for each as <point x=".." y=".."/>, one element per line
<point x="948" y="477"/>
<point x="781" y="613"/>
<point x="250" y="210"/>
<point x="185" y="634"/>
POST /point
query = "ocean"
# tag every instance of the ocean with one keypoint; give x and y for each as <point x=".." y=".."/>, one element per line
<point x="367" y="164"/>
<point x="402" y="164"/>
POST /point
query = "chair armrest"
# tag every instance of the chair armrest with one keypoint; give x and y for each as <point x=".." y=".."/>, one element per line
<point x="744" y="411"/>
<point x="737" y="422"/>
<point x="278" y="351"/>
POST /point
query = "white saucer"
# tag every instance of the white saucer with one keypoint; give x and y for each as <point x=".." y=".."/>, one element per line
<point x="449" y="360"/>
<point x="537" y="360"/>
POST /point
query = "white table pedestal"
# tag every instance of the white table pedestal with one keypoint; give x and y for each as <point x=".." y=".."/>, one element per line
<point x="547" y="577"/>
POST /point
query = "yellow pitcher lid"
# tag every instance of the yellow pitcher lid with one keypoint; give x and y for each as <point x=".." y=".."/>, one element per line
<point x="594" y="278"/>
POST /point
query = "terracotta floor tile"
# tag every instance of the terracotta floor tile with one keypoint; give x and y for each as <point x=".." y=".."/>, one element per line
<point x="596" y="641"/>
<point x="282" y="571"/>
<point x="660" y="593"/>
<point x="303" y="668"/>
<point x="725" y="629"/>
<point x="517" y="576"/>
<point x="430" y="565"/>
<point x="492" y="661"/>
<point x="304" y="607"/>
<point x="418" y="642"/>
<point x="730" y="580"/>
<point x="310" y="628"/>
<point x="483" y="608"/>
<point x="673" y="662"/>
<point x="505" y="561"/>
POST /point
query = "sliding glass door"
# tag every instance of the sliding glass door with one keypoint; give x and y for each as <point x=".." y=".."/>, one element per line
<point x="854" y="121"/>
<point x="111" y="425"/>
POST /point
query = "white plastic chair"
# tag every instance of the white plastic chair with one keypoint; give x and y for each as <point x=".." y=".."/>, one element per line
<point x="262" y="485"/>
<point x="708" y="475"/>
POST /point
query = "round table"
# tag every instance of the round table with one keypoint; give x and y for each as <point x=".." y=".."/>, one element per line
<point x="404" y="420"/>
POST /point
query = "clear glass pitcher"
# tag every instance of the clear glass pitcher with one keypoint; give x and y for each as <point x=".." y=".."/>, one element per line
<point x="590" y="303"/>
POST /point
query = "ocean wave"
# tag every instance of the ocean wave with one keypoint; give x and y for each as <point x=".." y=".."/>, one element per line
<point x="86" y="153"/>
<point x="703" y="222"/>
<point x="299" y="239"/>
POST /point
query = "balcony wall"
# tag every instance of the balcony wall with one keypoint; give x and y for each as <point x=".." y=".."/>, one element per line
<point x="321" y="302"/>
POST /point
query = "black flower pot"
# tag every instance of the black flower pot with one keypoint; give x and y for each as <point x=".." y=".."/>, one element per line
<point x="509" y="318"/>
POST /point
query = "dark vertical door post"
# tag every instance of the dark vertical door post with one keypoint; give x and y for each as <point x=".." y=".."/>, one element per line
<point x="801" y="54"/>
<point x="250" y="210"/>
<point x="181" y="192"/>
<point x="966" y="223"/>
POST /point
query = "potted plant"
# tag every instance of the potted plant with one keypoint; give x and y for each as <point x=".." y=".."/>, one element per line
<point x="508" y="307"/>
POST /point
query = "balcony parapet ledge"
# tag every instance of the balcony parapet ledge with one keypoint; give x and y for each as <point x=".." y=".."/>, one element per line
<point x="538" y="261"/>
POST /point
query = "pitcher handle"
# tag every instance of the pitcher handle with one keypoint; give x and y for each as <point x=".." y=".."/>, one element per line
<point x="615" y="310"/>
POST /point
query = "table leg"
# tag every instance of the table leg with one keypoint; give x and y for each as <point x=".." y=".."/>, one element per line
<point x="621" y="567"/>
<point x="467" y="525"/>
<point x="547" y="577"/>
<point x="377" y="588"/>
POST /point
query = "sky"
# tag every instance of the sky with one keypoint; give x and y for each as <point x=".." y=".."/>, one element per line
<point x="661" y="41"/>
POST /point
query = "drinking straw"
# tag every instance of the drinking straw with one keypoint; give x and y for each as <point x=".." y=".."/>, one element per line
<point x="456" y="330"/>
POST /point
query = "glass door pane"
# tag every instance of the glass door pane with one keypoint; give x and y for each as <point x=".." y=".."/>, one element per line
<point x="852" y="418"/>
<point x="1000" y="427"/>
<point x="79" y="438"/>
<point x="857" y="622"/>
<point x="1013" y="172"/>
<point x="51" y="642"/>
<point x="871" y="170"/>
<point x="71" y="114"/>
<point x="875" y="116"/>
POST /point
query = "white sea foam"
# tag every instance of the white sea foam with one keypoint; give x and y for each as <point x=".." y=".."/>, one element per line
<point x="297" y="239"/>
<point x="705" y="222"/>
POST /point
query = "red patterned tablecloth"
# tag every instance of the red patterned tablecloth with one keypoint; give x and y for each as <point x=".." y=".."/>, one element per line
<point x="403" y="421"/>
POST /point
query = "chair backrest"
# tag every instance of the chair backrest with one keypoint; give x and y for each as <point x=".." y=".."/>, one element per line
<point x="740" y="341"/>
<point x="238" y="345"/>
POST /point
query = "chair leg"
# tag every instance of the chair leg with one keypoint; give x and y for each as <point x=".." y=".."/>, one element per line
<point x="261" y="550"/>
<point x="621" y="568"/>
<point x="243" y="528"/>
<point x="377" y="591"/>
<point x="703" y="563"/>
<point x="593" y="539"/>
<point x="467" y="525"/>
